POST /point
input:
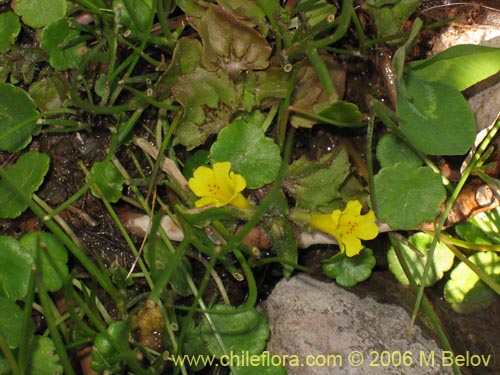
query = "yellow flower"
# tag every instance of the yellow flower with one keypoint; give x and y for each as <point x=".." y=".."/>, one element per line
<point x="348" y="227"/>
<point x="218" y="185"/>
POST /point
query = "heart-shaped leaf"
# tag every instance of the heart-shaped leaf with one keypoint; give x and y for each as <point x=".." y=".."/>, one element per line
<point x="407" y="196"/>
<point x="28" y="172"/>
<point x="17" y="118"/>
<point x="348" y="271"/>
<point x="252" y="154"/>
<point x="416" y="258"/>
<point x="435" y="117"/>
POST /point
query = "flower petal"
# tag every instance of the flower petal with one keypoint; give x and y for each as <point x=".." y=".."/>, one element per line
<point x="198" y="184"/>
<point x="324" y="223"/>
<point x="367" y="228"/>
<point x="240" y="201"/>
<point x="351" y="245"/>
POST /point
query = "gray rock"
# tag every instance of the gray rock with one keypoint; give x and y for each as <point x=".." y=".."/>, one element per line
<point x="329" y="324"/>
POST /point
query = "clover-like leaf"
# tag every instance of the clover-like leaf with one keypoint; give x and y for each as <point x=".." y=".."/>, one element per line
<point x="407" y="196"/>
<point x="316" y="185"/>
<point x="465" y="290"/>
<point x="252" y="154"/>
<point x="28" y="173"/>
<point x="390" y="15"/>
<point x="40" y="13"/>
<point x="435" y="117"/>
<point x="42" y="357"/>
<point x="392" y="150"/>
<point x="52" y="255"/>
<point x="11" y="322"/>
<point x="348" y="271"/>
<point x="342" y="113"/>
<point x="9" y="28"/>
<point x="17" y="118"/>
<point x="416" y="258"/>
<point x="240" y="331"/>
<point x="109" y="181"/>
<point x="55" y="37"/>
<point x="459" y="66"/>
<point x="15" y="269"/>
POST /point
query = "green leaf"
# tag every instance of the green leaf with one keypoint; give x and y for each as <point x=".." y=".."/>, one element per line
<point x="435" y="117"/>
<point x="208" y="99"/>
<point x="42" y="357"/>
<point x="261" y="369"/>
<point x="348" y="271"/>
<point x="109" y="350"/>
<point x="416" y="258"/>
<point x="135" y="14"/>
<point x="390" y="15"/>
<point x="482" y="228"/>
<point x="459" y="66"/>
<point x="407" y="196"/>
<point x="55" y="37"/>
<point x="109" y="181"/>
<point x="158" y="257"/>
<point x="465" y="290"/>
<point x="252" y="154"/>
<point x="17" y="118"/>
<point x="4" y="366"/>
<point x="15" y="269"/>
<point x="49" y="93"/>
<point x="28" y="171"/>
<point x="392" y="150"/>
<point x="342" y="113"/>
<point x="9" y="28"/>
<point x="240" y="331"/>
<point x="52" y="255"/>
<point x="315" y="185"/>
<point x="40" y="13"/>
<point x="11" y="322"/>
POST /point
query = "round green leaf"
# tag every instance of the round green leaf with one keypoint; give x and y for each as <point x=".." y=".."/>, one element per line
<point x="435" y="118"/>
<point x="11" y="322"/>
<point x="109" y="181"/>
<point x="52" y="255"/>
<point x="416" y="259"/>
<point x="392" y="150"/>
<point x="250" y="152"/>
<point x="348" y="271"/>
<point x="49" y="93"/>
<point x="407" y="196"/>
<point x="105" y="355"/>
<point x="40" y="13"/>
<point x="240" y="331"/>
<point x="55" y="36"/>
<point x="465" y="290"/>
<point x="15" y="269"/>
<point x="17" y="118"/>
<point x="43" y="358"/>
<point x="28" y="173"/>
<point x="9" y="28"/>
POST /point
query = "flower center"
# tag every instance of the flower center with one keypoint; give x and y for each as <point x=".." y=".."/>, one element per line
<point x="214" y="189"/>
<point x="351" y="227"/>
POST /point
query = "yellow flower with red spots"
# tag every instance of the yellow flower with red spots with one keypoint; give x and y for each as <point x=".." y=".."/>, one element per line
<point x="348" y="227"/>
<point x="218" y="186"/>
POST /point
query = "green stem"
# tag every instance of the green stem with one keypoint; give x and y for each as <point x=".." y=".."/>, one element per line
<point x="9" y="357"/>
<point x="321" y="70"/>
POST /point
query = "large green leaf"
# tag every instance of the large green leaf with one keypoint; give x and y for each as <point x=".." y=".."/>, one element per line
<point x="416" y="258"/>
<point x="11" y="322"/>
<point x="28" y="172"/>
<point x="392" y="150"/>
<point x="15" y="269"/>
<point x="9" y="28"/>
<point x="40" y="13"/>
<point x="465" y="290"/>
<point x="240" y="331"/>
<point x="43" y="358"/>
<point x="435" y="117"/>
<point x="17" y="118"/>
<point x="459" y="66"/>
<point x="52" y="256"/>
<point x="407" y="196"/>
<point x="252" y="154"/>
<point x="316" y="185"/>
<point x="58" y="34"/>
<point x="348" y="271"/>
